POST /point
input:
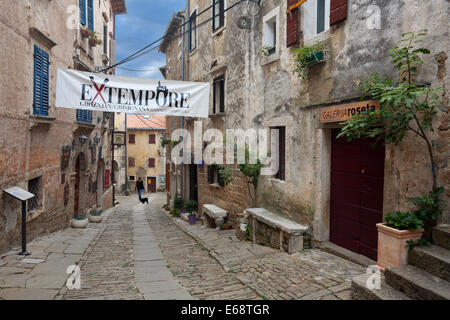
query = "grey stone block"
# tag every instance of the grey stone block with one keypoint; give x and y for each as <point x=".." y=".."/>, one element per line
<point x="417" y="283"/>
<point x="441" y="236"/>
<point x="434" y="260"/>
<point x="27" y="294"/>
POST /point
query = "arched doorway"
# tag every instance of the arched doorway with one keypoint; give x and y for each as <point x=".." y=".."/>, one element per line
<point x="100" y="182"/>
<point x="80" y="166"/>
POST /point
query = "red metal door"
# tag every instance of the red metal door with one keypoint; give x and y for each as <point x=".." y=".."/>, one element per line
<point x="357" y="178"/>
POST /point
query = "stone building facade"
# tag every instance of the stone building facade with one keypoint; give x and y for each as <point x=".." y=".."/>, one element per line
<point x="41" y="149"/>
<point x="145" y="156"/>
<point x="262" y="91"/>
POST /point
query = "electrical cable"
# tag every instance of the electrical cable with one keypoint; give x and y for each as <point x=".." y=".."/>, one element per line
<point x="143" y="52"/>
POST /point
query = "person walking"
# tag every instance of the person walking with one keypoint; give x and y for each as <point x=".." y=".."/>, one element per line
<point x="139" y="187"/>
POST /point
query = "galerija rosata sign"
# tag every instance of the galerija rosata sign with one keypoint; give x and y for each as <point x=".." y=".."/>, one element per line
<point x="101" y="92"/>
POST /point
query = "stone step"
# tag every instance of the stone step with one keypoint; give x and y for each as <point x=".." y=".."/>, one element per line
<point x="386" y="292"/>
<point x="441" y="236"/>
<point x="417" y="283"/>
<point x="434" y="260"/>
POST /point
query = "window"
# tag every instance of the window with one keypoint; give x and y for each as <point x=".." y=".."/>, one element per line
<point x="214" y="176"/>
<point x="132" y="138"/>
<point x="151" y="138"/>
<point x="219" y="95"/>
<point x="218" y="14"/>
<point x="105" y="39"/>
<point x="131" y="162"/>
<point x="151" y="162"/>
<point x="132" y="178"/>
<point x="41" y="82"/>
<point x="87" y="12"/>
<point x="281" y="175"/>
<point x="35" y="187"/>
<point x="84" y="116"/>
<point x="270" y="31"/>
<point x="193" y="31"/>
<point x="316" y="18"/>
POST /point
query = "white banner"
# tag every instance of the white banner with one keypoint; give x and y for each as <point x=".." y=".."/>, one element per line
<point x="101" y="92"/>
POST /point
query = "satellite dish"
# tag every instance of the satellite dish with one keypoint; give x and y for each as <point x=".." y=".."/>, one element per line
<point x="244" y="22"/>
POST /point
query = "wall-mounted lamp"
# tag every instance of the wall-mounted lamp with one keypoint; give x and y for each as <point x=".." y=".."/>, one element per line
<point x="82" y="140"/>
<point x="107" y="115"/>
<point x="97" y="139"/>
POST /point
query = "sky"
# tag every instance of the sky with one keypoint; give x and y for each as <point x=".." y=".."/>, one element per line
<point x="145" y="22"/>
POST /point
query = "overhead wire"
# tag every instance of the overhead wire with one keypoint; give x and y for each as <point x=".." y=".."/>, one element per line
<point x="146" y="49"/>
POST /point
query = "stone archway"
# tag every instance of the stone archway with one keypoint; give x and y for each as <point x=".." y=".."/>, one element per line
<point x="100" y="182"/>
<point x="80" y="167"/>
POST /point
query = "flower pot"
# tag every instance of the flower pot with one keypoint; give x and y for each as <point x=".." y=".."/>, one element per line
<point x="92" y="42"/>
<point x="84" y="33"/>
<point x="95" y="219"/>
<point x="315" y="57"/>
<point x="392" y="245"/>
<point x="226" y="227"/>
<point x="80" y="224"/>
<point x="192" y="219"/>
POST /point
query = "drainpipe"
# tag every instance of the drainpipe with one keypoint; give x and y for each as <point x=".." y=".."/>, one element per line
<point x="182" y="19"/>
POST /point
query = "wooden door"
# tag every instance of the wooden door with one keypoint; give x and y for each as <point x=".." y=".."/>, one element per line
<point x="357" y="180"/>
<point x="151" y="184"/>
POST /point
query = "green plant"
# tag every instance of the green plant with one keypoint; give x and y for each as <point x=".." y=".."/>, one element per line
<point x="422" y="242"/>
<point x="266" y="51"/>
<point x="174" y="143"/>
<point x="97" y="213"/>
<point x="306" y="56"/>
<point x="405" y="106"/>
<point x="80" y="217"/>
<point x="430" y="205"/>
<point x="226" y="174"/>
<point x="178" y="203"/>
<point x="93" y="36"/>
<point x="176" y="212"/>
<point x="247" y="233"/>
<point x="191" y="206"/>
<point x="403" y="221"/>
<point x="165" y="141"/>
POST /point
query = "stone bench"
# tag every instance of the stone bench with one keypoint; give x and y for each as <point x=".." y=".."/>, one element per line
<point x="290" y="234"/>
<point x="214" y="215"/>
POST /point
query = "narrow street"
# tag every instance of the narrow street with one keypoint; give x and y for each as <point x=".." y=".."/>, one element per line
<point x="141" y="253"/>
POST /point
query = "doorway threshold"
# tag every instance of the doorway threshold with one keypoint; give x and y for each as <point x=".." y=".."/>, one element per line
<point x="346" y="254"/>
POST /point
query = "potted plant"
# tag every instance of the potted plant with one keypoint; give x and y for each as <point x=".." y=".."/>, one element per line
<point x="266" y="51"/>
<point x="93" y="39"/>
<point x="84" y="32"/>
<point x="306" y="56"/>
<point x="191" y="208"/>
<point x="96" y="216"/>
<point x="393" y="236"/>
<point x="80" y="222"/>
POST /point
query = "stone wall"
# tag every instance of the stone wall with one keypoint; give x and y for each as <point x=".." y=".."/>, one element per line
<point x="31" y="147"/>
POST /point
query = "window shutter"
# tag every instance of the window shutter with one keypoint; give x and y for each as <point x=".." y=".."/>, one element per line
<point x="211" y="174"/>
<point x="151" y="162"/>
<point x="292" y="25"/>
<point x="338" y="11"/>
<point x="84" y="116"/>
<point x="82" y="5"/>
<point x="131" y="138"/>
<point x="222" y="94"/>
<point x="91" y="15"/>
<point x="131" y="162"/>
<point x="151" y="139"/>
<point x="41" y="82"/>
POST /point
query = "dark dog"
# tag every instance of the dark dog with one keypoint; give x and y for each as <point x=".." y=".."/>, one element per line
<point x="144" y="200"/>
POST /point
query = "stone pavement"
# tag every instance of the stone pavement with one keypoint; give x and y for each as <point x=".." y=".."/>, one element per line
<point x="311" y="274"/>
<point x="42" y="274"/>
<point x="140" y="252"/>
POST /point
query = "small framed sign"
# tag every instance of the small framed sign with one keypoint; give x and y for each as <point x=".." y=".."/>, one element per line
<point x="119" y="138"/>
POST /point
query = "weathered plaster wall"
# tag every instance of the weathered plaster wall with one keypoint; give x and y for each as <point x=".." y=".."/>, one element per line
<point x="27" y="150"/>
